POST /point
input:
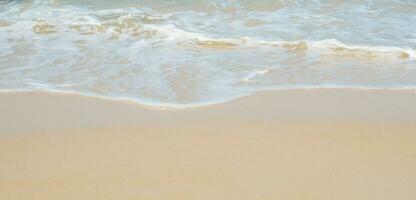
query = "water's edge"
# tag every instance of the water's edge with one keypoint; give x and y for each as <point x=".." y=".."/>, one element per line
<point x="170" y="106"/>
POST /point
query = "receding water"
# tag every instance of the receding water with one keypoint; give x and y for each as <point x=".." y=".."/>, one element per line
<point x="196" y="52"/>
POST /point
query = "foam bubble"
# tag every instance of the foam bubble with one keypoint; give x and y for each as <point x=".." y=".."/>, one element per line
<point x="180" y="53"/>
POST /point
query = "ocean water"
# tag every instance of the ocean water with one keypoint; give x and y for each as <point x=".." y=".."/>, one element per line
<point x="196" y="52"/>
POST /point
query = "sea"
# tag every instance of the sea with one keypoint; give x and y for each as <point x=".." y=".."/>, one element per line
<point x="186" y="53"/>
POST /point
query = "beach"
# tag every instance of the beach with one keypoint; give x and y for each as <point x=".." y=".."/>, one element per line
<point x="291" y="144"/>
<point x="207" y="100"/>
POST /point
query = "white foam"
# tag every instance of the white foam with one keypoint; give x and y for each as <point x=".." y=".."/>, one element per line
<point x="190" y="58"/>
<point x="252" y="75"/>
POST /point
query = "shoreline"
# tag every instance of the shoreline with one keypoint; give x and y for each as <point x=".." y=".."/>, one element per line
<point x="175" y="106"/>
<point x="324" y="105"/>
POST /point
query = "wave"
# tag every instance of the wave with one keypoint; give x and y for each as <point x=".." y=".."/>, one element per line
<point x="326" y="46"/>
<point x="130" y="28"/>
<point x="185" y="58"/>
<point x="45" y="20"/>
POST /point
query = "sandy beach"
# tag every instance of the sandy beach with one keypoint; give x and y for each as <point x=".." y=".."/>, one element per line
<point x="207" y="100"/>
<point x="294" y="145"/>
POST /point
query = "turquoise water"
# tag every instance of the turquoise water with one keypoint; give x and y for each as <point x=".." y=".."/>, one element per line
<point x="185" y="53"/>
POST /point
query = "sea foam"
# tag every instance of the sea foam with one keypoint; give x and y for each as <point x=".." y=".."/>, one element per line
<point x="187" y="53"/>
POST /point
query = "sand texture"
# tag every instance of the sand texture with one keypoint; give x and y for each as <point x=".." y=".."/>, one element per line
<point x="288" y="145"/>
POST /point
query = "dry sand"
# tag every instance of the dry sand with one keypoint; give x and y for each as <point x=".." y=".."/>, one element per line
<point x="294" y="145"/>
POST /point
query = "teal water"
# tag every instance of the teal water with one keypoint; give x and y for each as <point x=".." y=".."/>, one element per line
<point x="196" y="52"/>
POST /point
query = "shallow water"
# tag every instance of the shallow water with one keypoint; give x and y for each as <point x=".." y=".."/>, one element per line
<point x="196" y="52"/>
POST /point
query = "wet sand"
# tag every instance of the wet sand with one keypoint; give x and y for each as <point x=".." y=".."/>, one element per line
<point x="295" y="145"/>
